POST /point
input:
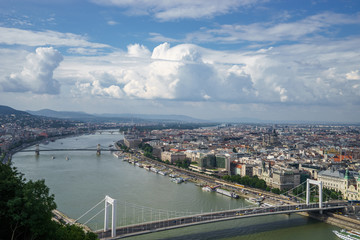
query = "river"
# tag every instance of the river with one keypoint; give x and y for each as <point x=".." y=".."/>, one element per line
<point x="84" y="179"/>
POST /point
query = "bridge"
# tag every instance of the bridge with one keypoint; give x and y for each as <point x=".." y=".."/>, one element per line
<point x="186" y="221"/>
<point x="153" y="220"/>
<point x="98" y="149"/>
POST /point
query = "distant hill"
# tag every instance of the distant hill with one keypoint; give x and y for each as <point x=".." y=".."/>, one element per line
<point x="159" y="117"/>
<point x="5" y="110"/>
<point x="61" y="114"/>
<point x="127" y="117"/>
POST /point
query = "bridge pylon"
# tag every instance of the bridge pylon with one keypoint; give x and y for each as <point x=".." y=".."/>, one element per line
<point x="98" y="150"/>
<point x="319" y="184"/>
<point x="112" y="202"/>
<point x="37" y="150"/>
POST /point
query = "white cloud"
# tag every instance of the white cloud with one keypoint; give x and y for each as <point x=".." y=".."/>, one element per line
<point x="83" y="51"/>
<point x="178" y="9"/>
<point x="15" y="36"/>
<point x="112" y="23"/>
<point x="353" y="75"/>
<point x="137" y="50"/>
<point x="36" y="75"/>
<point x="305" y="74"/>
<point x="273" y="31"/>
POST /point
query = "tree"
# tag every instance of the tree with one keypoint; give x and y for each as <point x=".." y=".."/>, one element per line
<point x="26" y="209"/>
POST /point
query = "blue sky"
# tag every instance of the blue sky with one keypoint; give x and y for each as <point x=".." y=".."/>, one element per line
<point x="265" y="59"/>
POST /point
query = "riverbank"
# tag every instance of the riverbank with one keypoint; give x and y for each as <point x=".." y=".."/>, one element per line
<point x="198" y="179"/>
<point x="335" y="219"/>
<point x="66" y="220"/>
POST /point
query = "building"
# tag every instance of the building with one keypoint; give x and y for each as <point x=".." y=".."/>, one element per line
<point x="131" y="142"/>
<point x="172" y="157"/>
<point x="281" y="178"/>
<point x="345" y="181"/>
<point x="244" y="170"/>
<point x="285" y="179"/>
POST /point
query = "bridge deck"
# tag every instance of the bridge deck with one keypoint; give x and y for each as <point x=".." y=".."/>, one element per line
<point x="167" y="224"/>
<point x="71" y="149"/>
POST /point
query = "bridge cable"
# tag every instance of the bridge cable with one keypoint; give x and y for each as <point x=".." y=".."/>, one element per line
<point x="90" y="210"/>
<point x="94" y="216"/>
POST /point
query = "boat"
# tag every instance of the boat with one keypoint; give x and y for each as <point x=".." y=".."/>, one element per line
<point x="52" y="157"/>
<point x="116" y="154"/>
<point x="154" y="170"/>
<point x="227" y="193"/>
<point x="208" y="189"/>
<point x="67" y="158"/>
<point x="177" y="180"/>
<point x="139" y="165"/>
<point x="347" y="235"/>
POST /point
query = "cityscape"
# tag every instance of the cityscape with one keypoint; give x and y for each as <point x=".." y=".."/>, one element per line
<point x="177" y="119"/>
<point x="274" y="159"/>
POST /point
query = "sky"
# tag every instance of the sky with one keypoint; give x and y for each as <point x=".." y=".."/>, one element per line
<point x="277" y="60"/>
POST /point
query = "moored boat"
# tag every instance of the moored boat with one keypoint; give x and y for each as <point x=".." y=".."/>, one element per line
<point x="208" y="189"/>
<point x="227" y="193"/>
<point x="347" y="235"/>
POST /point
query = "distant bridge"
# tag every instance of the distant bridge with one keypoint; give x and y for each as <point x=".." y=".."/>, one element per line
<point x="71" y="149"/>
<point x="97" y="148"/>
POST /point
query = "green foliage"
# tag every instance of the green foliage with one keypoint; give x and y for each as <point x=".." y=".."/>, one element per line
<point x="254" y="182"/>
<point x="183" y="164"/>
<point x="146" y="147"/>
<point x="75" y="233"/>
<point x="329" y="194"/>
<point x="26" y="209"/>
<point x="124" y="148"/>
<point x="275" y="190"/>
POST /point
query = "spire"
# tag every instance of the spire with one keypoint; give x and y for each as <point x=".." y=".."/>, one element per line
<point x="347" y="174"/>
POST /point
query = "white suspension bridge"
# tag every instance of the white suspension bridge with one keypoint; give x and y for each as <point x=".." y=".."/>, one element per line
<point x="137" y="220"/>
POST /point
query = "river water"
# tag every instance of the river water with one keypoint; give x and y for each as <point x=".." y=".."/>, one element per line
<point x="83" y="180"/>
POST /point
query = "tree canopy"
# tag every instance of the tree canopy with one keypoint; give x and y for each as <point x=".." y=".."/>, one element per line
<point x="26" y="210"/>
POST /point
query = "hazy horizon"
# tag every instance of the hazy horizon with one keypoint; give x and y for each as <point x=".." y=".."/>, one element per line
<point x="231" y="59"/>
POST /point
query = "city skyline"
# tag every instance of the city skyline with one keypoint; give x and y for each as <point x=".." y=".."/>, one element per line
<point x="269" y="60"/>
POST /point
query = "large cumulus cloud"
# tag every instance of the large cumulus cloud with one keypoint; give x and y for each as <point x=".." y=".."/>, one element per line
<point x="294" y="74"/>
<point x="179" y="73"/>
<point x="36" y="75"/>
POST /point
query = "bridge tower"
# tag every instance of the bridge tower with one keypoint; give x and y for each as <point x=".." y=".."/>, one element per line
<point x="98" y="150"/>
<point x="112" y="202"/>
<point x="319" y="184"/>
<point x="37" y="150"/>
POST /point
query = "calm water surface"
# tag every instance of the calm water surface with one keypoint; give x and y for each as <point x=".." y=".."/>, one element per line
<point x="82" y="181"/>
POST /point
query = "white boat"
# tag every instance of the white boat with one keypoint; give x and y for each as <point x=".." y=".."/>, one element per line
<point x="227" y="193"/>
<point x="154" y="170"/>
<point x="207" y="189"/>
<point x="139" y="165"/>
<point x="116" y="154"/>
<point x="347" y="235"/>
<point x="67" y="158"/>
<point x="177" y="180"/>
